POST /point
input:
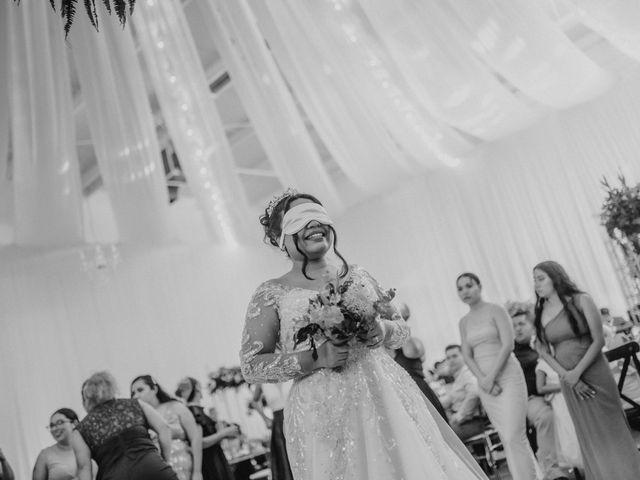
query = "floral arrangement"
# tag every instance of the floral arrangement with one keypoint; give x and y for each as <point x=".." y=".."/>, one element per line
<point x="342" y="312"/>
<point x="224" y="378"/>
<point x="621" y="213"/>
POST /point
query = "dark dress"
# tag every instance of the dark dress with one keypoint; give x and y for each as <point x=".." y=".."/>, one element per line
<point x="608" y="449"/>
<point x="117" y="434"/>
<point x="214" y="462"/>
<point x="280" y="468"/>
<point x="413" y="366"/>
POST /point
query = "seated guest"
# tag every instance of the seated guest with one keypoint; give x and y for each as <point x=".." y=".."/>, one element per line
<point x="548" y="383"/>
<point x="441" y="372"/>
<point x="462" y="403"/>
<point x="539" y="411"/>
<point x="616" y="330"/>
<point x="410" y="357"/>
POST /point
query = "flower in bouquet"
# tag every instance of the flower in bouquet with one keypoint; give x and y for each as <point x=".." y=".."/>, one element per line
<point x="343" y="311"/>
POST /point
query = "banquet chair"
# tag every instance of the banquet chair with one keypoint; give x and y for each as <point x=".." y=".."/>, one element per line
<point x="485" y="448"/>
<point x="628" y="352"/>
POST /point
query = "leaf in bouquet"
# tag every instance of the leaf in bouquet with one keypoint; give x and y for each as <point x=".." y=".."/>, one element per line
<point x="306" y="333"/>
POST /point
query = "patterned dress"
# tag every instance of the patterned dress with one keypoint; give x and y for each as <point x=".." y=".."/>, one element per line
<point x="368" y="421"/>
<point x="180" y="457"/>
<point x="117" y="435"/>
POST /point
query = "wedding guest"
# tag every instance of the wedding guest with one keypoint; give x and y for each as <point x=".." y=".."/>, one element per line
<point x="275" y="396"/>
<point x="462" y="403"/>
<point x="568" y="320"/>
<point x="566" y="439"/>
<point x="115" y="434"/>
<point x="214" y="462"/>
<point x="6" y="472"/>
<point x="441" y="372"/>
<point x="487" y="344"/>
<point x="185" y="456"/>
<point x="411" y="357"/>
<point x="347" y="399"/>
<point x="539" y="411"/>
<point x="57" y="462"/>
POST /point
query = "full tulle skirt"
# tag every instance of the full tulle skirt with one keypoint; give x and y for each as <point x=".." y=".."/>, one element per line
<point x="370" y="421"/>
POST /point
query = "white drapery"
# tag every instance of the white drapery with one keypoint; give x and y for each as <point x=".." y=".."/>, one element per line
<point x="266" y="99"/>
<point x="616" y="20"/>
<point x="46" y="177"/>
<point x="174" y="311"/>
<point x="123" y="130"/>
<point x="190" y="114"/>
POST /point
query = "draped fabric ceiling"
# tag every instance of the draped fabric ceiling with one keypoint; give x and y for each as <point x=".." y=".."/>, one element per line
<point x="442" y="135"/>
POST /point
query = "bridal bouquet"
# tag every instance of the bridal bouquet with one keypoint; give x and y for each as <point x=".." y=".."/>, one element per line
<point x="342" y="312"/>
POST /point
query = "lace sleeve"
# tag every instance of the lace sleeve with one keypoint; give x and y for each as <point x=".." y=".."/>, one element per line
<point x="397" y="330"/>
<point x="260" y="359"/>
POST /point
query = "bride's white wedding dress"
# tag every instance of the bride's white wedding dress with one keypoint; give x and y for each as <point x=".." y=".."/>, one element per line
<point x="368" y="421"/>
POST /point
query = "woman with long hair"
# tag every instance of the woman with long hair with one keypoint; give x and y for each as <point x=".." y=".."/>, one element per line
<point x="352" y="412"/>
<point x="58" y="462"/>
<point x="214" y="462"/>
<point x="487" y="338"/>
<point x="185" y="456"/>
<point x="115" y="433"/>
<point x="570" y="339"/>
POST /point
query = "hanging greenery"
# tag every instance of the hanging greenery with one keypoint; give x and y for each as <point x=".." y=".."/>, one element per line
<point x="67" y="9"/>
<point x="621" y="213"/>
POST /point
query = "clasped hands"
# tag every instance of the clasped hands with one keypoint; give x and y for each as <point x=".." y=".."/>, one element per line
<point x="583" y="389"/>
<point x="489" y="385"/>
<point x="333" y="356"/>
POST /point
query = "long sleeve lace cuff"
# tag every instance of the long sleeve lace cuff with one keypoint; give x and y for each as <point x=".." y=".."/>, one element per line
<point x="268" y="367"/>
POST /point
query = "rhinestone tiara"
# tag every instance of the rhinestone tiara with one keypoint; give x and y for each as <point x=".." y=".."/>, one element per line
<point x="278" y="198"/>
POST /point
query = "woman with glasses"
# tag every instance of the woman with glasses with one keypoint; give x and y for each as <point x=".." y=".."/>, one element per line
<point x="58" y="462"/>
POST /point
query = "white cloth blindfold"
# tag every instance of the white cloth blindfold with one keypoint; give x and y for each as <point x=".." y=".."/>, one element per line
<point x="299" y="217"/>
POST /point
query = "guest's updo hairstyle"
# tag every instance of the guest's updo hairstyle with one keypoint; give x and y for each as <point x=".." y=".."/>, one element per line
<point x="471" y="276"/>
<point x="97" y="389"/>
<point x="161" y="393"/>
<point x="271" y="221"/>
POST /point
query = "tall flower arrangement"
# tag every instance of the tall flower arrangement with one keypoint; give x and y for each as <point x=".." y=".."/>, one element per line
<point x="621" y="214"/>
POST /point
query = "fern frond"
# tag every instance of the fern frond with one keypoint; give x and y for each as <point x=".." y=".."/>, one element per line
<point x="132" y="3"/>
<point x="121" y="10"/>
<point x="68" y="12"/>
<point x="90" y="7"/>
<point x="107" y="5"/>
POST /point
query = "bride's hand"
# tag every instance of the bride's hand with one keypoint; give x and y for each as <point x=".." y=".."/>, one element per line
<point x="331" y="356"/>
<point x="375" y="336"/>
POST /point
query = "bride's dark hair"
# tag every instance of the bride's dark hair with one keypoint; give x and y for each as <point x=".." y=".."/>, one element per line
<point x="271" y="221"/>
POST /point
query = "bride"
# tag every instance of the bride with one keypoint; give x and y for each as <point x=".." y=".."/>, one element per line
<point x="352" y="413"/>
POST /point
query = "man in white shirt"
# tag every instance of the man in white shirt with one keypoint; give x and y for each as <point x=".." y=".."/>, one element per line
<point x="462" y="403"/>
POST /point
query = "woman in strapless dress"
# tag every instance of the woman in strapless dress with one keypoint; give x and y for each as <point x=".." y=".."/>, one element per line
<point x="487" y="343"/>
<point x="570" y="339"/>
<point x="58" y="461"/>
